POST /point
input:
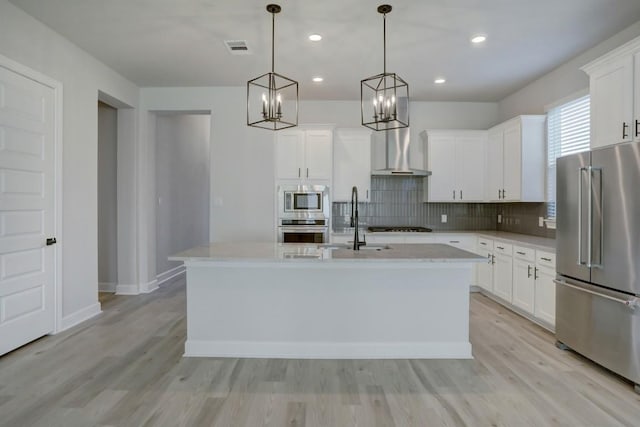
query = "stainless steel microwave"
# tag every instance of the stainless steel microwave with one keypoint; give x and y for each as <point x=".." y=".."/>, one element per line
<point x="303" y="200"/>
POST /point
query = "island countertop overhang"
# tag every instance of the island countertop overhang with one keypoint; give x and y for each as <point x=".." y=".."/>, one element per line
<point x="246" y="252"/>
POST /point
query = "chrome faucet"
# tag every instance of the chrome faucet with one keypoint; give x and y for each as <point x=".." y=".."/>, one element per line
<point x="354" y="220"/>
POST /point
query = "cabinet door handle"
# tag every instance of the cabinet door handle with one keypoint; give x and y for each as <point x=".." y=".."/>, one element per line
<point x="504" y="192"/>
<point x="499" y="194"/>
<point x="545" y="259"/>
<point x="637" y="128"/>
<point x="460" y="194"/>
<point x="535" y="273"/>
<point x="489" y="259"/>
<point x="500" y="247"/>
<point x="454" y="194"/>
<point x="520" y="253"/>
<point x="493" y="259"/>
<point x="483" y="243"/>
<point x="454" y="241"/>
<point x="624" y="129"/>
<point x="528" y="271"/>
<point x="307" y="172"/>
<point x="367" y="194"/>
<point x="298" y="172"/>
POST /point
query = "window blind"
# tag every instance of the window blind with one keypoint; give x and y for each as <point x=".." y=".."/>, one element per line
<point x="568" y="132"/>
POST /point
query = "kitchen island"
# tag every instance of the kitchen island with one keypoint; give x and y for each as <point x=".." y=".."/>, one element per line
<point x="309" y="301"/>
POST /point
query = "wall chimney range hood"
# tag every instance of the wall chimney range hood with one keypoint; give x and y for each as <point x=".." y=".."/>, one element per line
<point x="397" y="146"/>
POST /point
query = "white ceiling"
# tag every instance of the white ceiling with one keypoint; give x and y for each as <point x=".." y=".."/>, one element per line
<point x="180" y="42"/>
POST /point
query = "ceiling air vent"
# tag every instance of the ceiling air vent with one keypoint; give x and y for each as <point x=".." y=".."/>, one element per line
<point x="237" y="47"/>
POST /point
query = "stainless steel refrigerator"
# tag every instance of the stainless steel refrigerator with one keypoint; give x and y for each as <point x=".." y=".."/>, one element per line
<point x="598" y="257"/>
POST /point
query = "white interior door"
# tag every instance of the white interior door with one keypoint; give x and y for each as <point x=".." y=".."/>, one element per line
<point x="27" y="276"/>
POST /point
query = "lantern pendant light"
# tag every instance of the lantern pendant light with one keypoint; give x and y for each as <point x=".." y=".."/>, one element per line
<point x="272" y="99"/>
<point x="384" y="98"/>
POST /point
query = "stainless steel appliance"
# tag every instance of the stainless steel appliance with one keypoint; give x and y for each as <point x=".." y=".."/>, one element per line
<point x="397" y="229"/>
<point x="397" y="144"/>
<point x="303" y="214"/>
<point x="598" y="257"/>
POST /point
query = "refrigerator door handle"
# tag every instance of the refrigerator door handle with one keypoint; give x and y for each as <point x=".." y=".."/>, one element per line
<point x="631" y="303"/>
<point x="601" y="206"/>
<point x="580" y="170"/>
<point x="590" y="218"/>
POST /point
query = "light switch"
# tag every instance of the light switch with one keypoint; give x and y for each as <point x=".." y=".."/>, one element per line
<point x="499" y="218"/>
<point x="540" y="221"/>
<point x="443" y="218"/>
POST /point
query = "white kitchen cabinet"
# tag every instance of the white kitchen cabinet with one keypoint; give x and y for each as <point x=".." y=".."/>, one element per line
<point x="516" y="160"/>
<point x="524" y="278"/>
<point x="304" y="154"/>
<point x="352" y="164"/>
<point x="503" y="271"/>
<point x="456" y="160"/>
<point x="545" y="292"/>
<point x="614" y="86"/>
<point x="465" y="242"/>
<point x="484" y="271"/>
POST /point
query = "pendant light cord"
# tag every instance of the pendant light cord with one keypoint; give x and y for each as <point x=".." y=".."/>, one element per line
<point x="384" y="42"/>
<point x="273" y="36"/>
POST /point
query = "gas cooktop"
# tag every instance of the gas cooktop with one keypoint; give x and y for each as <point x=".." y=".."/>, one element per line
<point x="397" y="229"/>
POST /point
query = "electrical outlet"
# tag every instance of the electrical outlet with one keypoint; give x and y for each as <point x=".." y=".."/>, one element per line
<point x="499" y="218"/>
<point x="540" y="221"/>
<point x="443" y="218"/>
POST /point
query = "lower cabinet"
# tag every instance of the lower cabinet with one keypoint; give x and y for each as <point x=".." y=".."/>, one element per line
<point x="545" y="293"/>
<point x="503" y="270"/>
<point x="520" y="277"/>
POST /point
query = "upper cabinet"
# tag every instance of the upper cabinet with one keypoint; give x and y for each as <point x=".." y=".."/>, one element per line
<point x="456" y="160"/>
<point x="304" y="154"/>
<point x="614" y="85"/>
<point x="352" y="164"/>
<point x="516" y="160"/>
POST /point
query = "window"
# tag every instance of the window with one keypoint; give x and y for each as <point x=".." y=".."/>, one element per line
<point x="568" y="132"/>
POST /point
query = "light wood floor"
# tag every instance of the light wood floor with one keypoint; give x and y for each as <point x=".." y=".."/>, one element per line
<point x="126" y="368"/>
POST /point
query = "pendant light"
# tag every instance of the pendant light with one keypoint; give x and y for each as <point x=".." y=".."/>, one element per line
<point x="272" y="99"/>
<point x="384" y="98"/>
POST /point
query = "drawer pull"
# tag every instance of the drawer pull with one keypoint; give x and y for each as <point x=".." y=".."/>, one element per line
<point x="545" y="259"/>
<point x="520" y="253"/>
<point x="483" y="243"/>
<point x="500" y="247"/>
<point x="454" y="241"/>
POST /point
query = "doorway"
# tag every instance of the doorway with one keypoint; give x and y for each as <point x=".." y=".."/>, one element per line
<point x="182" y="168"/>
<point x="107" y="199"/>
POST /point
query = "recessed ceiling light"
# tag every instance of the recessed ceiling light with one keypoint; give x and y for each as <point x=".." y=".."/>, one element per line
<point x="439" y="81"/>
<point x="315" y="37"/>
<point x="317" y="79"/>
<point x="479" y="38"/>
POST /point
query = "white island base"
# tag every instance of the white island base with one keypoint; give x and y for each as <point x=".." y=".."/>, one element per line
<point x="338" y="310"/>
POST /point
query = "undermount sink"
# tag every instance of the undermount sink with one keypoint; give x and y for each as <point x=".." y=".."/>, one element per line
<point x="370" y="247"/>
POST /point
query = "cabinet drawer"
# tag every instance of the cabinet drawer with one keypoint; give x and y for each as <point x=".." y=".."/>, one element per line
<point x="526" y="254"/>
<point x="503" y="248"/>
<point x="459" y="241"/>
<point x="485" y="244"/>
<point x="546" y="259"/>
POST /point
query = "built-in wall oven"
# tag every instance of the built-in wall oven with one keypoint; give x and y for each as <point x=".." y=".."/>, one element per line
<point x="303" y="214"/>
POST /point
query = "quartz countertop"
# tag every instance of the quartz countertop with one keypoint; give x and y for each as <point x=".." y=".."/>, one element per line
<point x="536" y="242"/>
<point x="293" y="252"/>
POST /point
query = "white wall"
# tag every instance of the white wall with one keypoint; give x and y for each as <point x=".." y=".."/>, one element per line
<point x="27" y="41"/>
<point x="561" y="82"/>
<point x="242" y="158"/>
<point x="107" y="197"/>
<point x="182" y="185"/>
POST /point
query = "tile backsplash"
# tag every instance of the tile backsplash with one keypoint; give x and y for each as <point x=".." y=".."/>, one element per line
<point x="398" y="201"/>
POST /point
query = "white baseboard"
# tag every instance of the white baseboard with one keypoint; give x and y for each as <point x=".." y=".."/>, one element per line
<point x="80" y="316"/>
<point x="127" y="289"/>
<point x="147" y="288"/>
<point x="328" y="350"/>
<point x="170" y="274"/>
<point x="107" y="287"/>
<point x="475" y="288"/>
